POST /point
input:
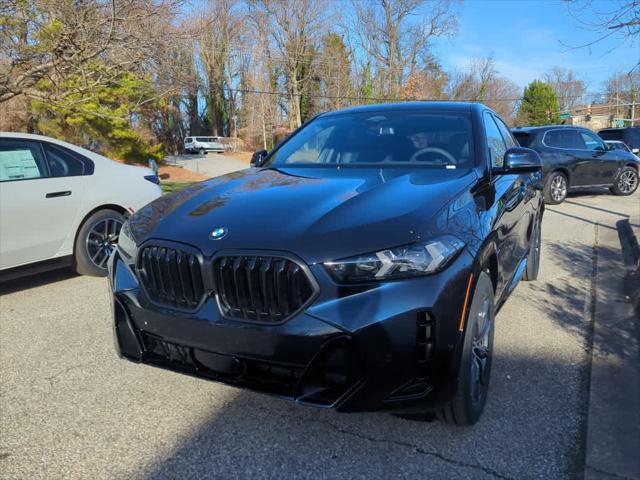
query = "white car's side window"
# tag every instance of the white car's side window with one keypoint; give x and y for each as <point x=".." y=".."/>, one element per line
<point x="20" y="160"/>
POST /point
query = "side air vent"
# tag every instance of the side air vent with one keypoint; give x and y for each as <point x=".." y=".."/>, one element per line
<point x="261" y="288"/>
<point x="171" y="276"/>
<point x="424" y="344"/>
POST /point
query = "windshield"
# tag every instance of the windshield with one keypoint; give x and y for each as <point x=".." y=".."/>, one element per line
<point x="388" y="138"/>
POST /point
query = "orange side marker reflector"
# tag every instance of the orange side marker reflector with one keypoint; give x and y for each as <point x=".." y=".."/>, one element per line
<point x="466" y="301"/>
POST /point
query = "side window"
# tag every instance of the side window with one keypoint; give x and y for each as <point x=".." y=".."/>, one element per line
<point x="61" y="162"/>
<point x="592" y="141"/>
<point x="506" y="133"/>
<point x="566" y="138"/>
<point x="497" y="147"/>
<point x="21" y="160"/>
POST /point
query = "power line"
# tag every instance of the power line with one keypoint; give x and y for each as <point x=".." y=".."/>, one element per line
<point x="394" y="99"/>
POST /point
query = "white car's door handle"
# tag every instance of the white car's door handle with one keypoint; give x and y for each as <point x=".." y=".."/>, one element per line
<point x="66" y="193"/>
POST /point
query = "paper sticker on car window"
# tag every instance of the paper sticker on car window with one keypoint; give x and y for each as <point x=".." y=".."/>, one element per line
<point x="18" y="164"/>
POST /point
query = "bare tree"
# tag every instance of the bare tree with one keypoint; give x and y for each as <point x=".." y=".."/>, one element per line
<point x="481" y="83"/>
<point x="292" y="29"/>
<point x="396" y="34"/>
<point x="614" y="19"/>
<point x="569" y="89"/>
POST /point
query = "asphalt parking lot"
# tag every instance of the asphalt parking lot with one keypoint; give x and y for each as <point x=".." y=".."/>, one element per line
<point x="70" y="409"/>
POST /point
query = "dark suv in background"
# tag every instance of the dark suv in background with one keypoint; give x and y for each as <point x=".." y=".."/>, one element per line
<point x="575" y="157"/>
<point x="628" y="135"/>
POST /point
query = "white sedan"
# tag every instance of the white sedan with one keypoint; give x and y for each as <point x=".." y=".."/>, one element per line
<point x="62" y="205"/>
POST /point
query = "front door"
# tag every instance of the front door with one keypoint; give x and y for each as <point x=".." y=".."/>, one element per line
<point x="599" y="164"/>
<point x="37" y="210"/>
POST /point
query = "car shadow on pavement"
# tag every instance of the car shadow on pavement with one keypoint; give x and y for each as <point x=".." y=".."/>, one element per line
<point x="36" y="280"/>
<point x="530" y="429"/>
<point x="571" y="301"/>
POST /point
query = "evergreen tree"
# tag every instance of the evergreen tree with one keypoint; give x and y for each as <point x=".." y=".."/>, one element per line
<point x="539" y="104"/>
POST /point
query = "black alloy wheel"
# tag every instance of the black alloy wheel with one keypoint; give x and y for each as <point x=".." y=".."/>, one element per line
<point x="476" y="357"/>
<point x="627" y="182"/>
<point x="96" y="241"/>
<point x="555" y="190"/>
<point x="533" y="261"/>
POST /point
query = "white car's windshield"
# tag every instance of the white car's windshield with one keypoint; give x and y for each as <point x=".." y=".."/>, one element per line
<point x="385" y="138"/>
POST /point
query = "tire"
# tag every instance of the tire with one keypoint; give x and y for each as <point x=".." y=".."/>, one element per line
<point x="95" y="241"/>
<point x="626" y="183"/>
<point x="533" y="261"/>
<point x="475" y="361"/>
<point x="555" y="188"/>
<point x="202" y="151"/>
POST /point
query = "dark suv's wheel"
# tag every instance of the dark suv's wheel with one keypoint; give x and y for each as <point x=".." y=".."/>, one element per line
<point x="97" y="238"/>
<point x="475" y="361"/>
<point x="626" y="183"/>
<point x="533" y="261"/>
<point x="555" y="190"/>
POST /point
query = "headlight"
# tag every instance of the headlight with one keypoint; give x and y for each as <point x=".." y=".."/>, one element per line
<point x="126" y="242"/>
<point x="408" y="261"/>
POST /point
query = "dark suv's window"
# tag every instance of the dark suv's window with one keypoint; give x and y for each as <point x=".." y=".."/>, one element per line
<point x="381" y="138"/>
<point x="497" y="147"/>
<point x="611" y="134"/>
<point x="63" y="163"/>
<point x="524" y="138"/>
<point x="564" y="138"/>
<point x="506" y="134"/>
<point x="592" y="141"/>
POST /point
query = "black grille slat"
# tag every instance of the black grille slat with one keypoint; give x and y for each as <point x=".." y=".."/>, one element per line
<point x="260" y="288"/>
<point x="171" y="276"/>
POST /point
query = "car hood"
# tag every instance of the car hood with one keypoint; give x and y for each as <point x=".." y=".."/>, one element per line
<point x="318" y="214"/>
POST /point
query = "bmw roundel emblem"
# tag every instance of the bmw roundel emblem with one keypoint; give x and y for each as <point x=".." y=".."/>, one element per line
<point x="218" y="233"/>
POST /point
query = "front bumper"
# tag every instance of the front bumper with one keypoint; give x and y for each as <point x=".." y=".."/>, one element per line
<point x="389" y="345"/>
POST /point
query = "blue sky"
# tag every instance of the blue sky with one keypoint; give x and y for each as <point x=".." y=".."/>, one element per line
<point x="524" y="37"/>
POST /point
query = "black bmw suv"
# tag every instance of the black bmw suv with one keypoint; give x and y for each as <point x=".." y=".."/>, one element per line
<point x="575" y="158"/>
<point x="356" y="266"/>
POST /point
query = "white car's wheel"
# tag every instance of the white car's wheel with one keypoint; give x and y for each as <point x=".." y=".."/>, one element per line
<point x="97" y="238"/>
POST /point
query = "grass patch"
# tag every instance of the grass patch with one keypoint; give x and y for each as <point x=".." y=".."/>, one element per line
<point x="168" y="187"/>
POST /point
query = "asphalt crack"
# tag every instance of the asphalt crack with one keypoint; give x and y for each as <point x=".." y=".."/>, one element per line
<point x="51" y="378"/>
<point x="610" y="474"/>
<point x="399" y="443"/>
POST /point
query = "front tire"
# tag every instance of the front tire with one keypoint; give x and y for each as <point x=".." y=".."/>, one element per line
<point x="202" y="151"/>
<point x="626" y="183"/>
<point x="533" y="261"/>
<point x="96" y="240"/>
<point x="475" y="361"/>
<point x="555" y="189"/>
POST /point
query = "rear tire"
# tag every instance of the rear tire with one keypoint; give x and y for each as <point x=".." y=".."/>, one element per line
<point x="475" y="360"/>
<point x="555" y="189"/>
<point x="533" y="261"/>
<point x="626" y="182"/>
<point x="202" y="151"/>
<point x="96" y="239"/>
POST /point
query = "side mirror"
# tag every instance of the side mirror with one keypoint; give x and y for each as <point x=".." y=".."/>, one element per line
<point x="520" y="160"/>
<point x="258" y="157"/>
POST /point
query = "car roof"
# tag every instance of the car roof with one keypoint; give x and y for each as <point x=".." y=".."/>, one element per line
<point x="542" y="128"/>
<point x="410" y="106"/>
<point x="615" y="129"/>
